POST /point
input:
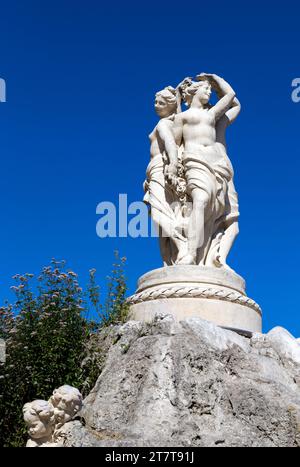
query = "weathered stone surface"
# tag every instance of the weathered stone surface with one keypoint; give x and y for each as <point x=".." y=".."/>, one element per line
<point x="193" y="384"/>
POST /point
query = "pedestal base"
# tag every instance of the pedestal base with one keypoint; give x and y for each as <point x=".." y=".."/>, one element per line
<point x="217" y="295"/>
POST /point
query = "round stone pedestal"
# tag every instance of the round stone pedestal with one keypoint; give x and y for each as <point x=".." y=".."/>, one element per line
<point x="214" y="294"/>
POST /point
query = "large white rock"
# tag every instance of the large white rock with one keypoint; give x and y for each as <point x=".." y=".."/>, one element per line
<point x="190" y="383"/>
<point x="213" y="336"/>
<point x="285" y="344"/>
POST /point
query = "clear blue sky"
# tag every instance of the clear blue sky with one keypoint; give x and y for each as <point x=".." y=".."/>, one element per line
<point x="81" y="76"/>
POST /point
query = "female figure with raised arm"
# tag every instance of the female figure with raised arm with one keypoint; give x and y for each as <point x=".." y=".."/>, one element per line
<point x="207" y="168"/>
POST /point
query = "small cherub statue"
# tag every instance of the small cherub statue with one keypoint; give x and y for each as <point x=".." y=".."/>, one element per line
<point x="44" y="419"/>
<point x="67" y="401"/>
<point x="39" y="418"/>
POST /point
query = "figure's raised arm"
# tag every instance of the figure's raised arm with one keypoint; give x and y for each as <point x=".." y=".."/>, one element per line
<point x="222" y="88"/>
<point x="234" y="111"/>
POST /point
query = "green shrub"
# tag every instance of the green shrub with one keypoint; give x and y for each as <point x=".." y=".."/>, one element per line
<point x="48" y="333"/>
<point x="115" y="309"/>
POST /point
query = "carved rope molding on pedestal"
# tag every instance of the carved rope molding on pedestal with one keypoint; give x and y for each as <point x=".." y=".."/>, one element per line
<point x="193" y="292"/>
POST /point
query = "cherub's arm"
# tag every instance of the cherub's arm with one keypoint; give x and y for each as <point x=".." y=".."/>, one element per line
<point x="222" y="88"/>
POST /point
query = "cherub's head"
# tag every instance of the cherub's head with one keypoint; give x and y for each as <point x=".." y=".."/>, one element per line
<point x="39" y="419"/>
<point x="200" y="90"/>
<point x="67" y="401"/>
<point x="166" y="102"/>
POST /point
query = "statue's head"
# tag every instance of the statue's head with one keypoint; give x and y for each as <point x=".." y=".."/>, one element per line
<point x="39" y="419"/>
<point x="200" y="90"/>
<point x="166" y="102"/>
<point x="67" y="401"/>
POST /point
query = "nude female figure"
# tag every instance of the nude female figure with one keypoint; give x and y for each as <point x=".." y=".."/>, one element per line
<point x="207" y="171"/>
<point x="162" y="169"/>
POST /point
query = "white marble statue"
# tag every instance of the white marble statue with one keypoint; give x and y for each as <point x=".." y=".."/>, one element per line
<point x="192" y="199"/>
<point x="45" y="418"/>
<point x="67" y="401"/>
<point x="163" y="185"/>
<point x="39" y="419"/>
<point x="189" y="186"/>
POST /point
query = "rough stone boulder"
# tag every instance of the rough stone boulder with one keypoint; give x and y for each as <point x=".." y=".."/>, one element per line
<point x="193" y="384"/>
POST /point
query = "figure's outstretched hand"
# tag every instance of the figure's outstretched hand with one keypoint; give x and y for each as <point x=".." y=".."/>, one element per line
<point x="212" y="78"/>
<point x="204" y="76"/>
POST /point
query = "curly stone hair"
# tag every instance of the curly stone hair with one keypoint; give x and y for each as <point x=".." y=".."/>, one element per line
<point x="188" y="89"/>
<point x="169" y="94"/>
<point x="43" y="409"/>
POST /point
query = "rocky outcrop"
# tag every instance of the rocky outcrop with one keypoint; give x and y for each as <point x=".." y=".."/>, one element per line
<point x="193" y="384"/>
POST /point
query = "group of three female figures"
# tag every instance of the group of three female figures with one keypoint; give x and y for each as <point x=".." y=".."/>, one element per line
<point x="189" y="185"/>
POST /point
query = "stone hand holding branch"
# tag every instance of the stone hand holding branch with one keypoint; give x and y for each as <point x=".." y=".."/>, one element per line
<point x="171" y="173"/>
